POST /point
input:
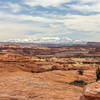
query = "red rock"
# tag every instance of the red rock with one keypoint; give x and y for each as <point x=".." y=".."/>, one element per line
<point x="38" y="86"/>
<point x="91" y="92"/>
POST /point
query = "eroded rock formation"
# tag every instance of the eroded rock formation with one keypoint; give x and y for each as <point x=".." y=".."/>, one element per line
<point x="91" y="92"/>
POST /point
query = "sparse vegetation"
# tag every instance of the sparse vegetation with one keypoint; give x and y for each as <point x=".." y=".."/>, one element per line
<point x="46" y="59"/>
<point x="78" y="83"/>
<point x="54" y="67"/>
<point x="80" y="71"/>
<point x="98" y="74"/>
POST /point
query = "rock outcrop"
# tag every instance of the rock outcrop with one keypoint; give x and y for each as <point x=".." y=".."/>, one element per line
<point x="91" y="92"/>
<point x="38" y="86"/>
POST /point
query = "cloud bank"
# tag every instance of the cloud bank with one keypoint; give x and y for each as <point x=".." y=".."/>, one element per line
<point x="49" y="20"/>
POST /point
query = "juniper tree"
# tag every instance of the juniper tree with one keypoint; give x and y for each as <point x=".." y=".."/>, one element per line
<point x="98" y="74"/>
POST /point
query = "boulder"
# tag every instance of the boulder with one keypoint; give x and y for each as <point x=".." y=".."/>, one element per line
<point x="91" y="92"/>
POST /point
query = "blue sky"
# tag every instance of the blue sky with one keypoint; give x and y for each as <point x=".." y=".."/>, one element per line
<point x="49" y="20"/>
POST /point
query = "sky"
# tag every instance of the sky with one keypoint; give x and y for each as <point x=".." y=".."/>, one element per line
<point x="49" y="20"/>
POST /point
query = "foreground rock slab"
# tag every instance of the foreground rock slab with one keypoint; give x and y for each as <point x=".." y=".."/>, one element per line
<point x="37" y="86"/>
<point x="91" y="92"/>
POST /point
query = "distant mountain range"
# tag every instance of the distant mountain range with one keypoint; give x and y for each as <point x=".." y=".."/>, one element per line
<point x="93" y="43"/>
<point x="72" y="43"/>
<point x="48" y="40"/>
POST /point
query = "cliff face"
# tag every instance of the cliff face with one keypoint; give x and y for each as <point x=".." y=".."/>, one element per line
<point x="24" y="50"/>
<point x="33" y="51"/>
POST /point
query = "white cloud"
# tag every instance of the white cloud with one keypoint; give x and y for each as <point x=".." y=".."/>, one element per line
<point x="84" y="23"/>
<point x="28" y="18"/>
<point x="49" y="26"/>
<point x="86" y="8"/>
<point x="46" y="3"/>
<point x="13" y="30"/>
<point x="88" y="1"/>
<point x="77" y="22"/>
<point x="14" y="7"/>
<point x="16" y="26"/>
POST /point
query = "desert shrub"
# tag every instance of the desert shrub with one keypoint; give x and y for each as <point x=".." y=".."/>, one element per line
<point x="46" y="59"/>
<point x="80" y="71"/>
<point x="54" y="67"/>
<point x="78" y="83"/>
<point x="98" y="74"/>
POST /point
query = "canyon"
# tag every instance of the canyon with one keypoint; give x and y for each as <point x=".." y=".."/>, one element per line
<point x="35" y="72"/>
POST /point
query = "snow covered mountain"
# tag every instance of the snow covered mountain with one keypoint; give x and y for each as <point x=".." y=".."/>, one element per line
<point x="50" y="40"/>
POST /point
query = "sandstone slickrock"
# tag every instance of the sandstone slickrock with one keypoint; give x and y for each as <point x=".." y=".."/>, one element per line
<point x="91" y="92"/>
<point x="39" y="73"/>
<point x="37" y="86"/>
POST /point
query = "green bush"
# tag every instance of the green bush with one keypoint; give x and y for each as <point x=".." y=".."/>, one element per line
<point x="80" y="71"/>
<point x="78" y="83"/>
<point x="98" y="74"/>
